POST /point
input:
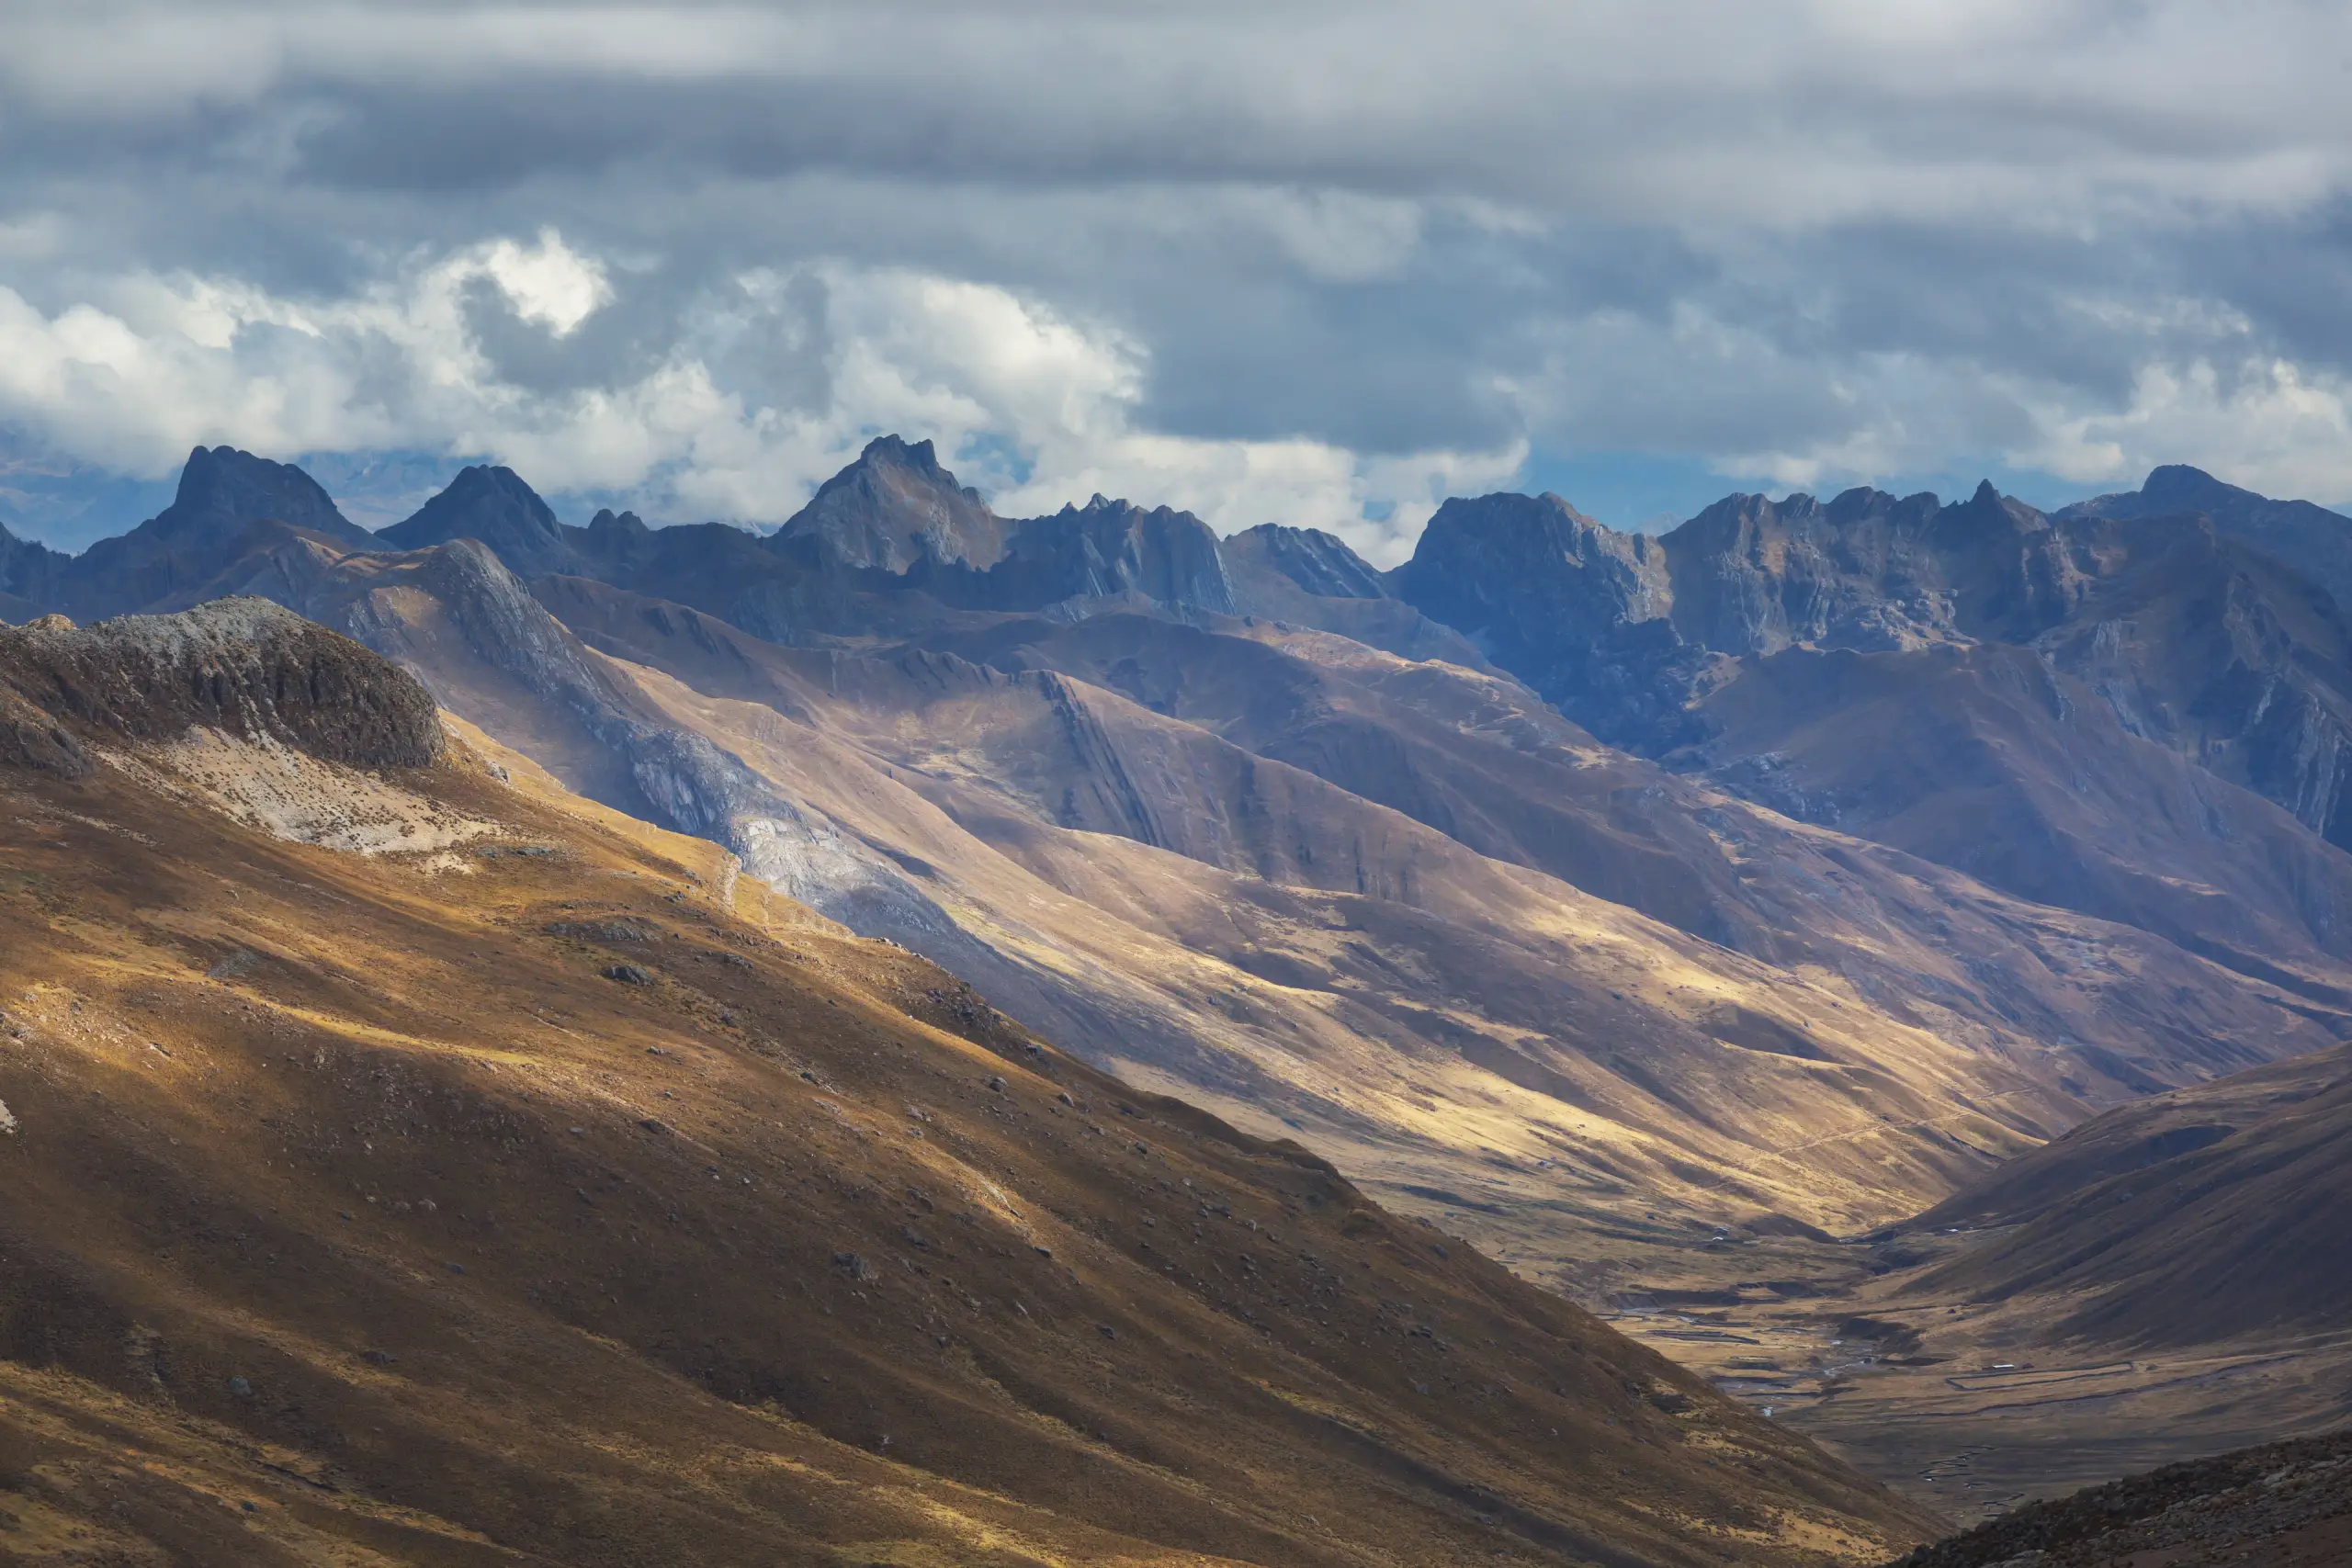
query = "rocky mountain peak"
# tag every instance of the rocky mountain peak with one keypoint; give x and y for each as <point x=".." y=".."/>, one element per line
<point x="894" y="507"/>
<point x="2178" y="483"/>
<point x="624" y="524"/>
<point x="1107" y="548"/>
<point x="496" y="506"/>
<point x="1319" y="563"/>
<point x="1986" y="509"/>
<point x="224" y="491"/>
<point x="1510" y="553"/>
<point x="919" y="457"/>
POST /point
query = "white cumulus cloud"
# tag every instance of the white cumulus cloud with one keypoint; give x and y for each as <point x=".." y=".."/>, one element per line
<point x="1045" y="406"/>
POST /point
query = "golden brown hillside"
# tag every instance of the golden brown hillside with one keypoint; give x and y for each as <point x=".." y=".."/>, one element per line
<point x="421" y="1165"/>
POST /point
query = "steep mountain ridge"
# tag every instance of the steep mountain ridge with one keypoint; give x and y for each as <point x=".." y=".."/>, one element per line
<point x="29" y="572"/>
<point x="225" y="499"/>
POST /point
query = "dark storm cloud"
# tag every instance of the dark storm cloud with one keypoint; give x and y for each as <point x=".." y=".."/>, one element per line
<point x="1304" y="259"/>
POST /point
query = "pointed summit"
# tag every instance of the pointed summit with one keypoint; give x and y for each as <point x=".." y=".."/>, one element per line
<point x="223" y="492"/>
<point x="230" y="503"/>
<point x="494" y="505"/>
<point x="896" y="506"/>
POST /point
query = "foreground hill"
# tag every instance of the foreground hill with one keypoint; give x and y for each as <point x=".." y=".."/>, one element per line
<point x="2283" y="1505"/>
<point x="405" y="1161"/>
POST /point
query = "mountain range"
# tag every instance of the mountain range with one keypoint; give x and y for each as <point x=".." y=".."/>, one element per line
<point x="1593" y="894"/>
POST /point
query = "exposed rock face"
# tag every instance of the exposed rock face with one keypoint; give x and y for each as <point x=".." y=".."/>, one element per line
<point x="496" y="506"/>
<point x="1866" y="571"/>
<point x="2283" y="1503"/>
<point x="2311" y="538"/>
<point x="1313" y="561"/>
<point x="2198" y="642"/>
<point x="241" y="665"/>
<point x="223" y="489"/>
<point x="890" y="544"/>
<point x="896" y="506"/>
<point x="1105" y="549"/>
<point x="1577" y="611"/>
<point x="28" y="573"/>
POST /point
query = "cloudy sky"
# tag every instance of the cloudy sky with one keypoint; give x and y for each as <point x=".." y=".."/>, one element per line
<point x="1317" y="262"/>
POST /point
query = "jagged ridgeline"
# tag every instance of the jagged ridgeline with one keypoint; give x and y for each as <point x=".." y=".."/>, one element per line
<point x="405" y="1159"/>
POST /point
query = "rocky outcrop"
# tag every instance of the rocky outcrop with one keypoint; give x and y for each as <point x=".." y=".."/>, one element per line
<point x="896" y="506"/>
<point x="1577" y="611"/>
<point x="494" y="505"/>
<point x="244" y="666"/>
<point x="2283" y="1503"/>
<point x="1867" y="570"/>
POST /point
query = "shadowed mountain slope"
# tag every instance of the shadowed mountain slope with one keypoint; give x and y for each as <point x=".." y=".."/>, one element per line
<point x="28" y="571"/>
<point x="2198" y="1215"/>
<point x="515" y="1184"/>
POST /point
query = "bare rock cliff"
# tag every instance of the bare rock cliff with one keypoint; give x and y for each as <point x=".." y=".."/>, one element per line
<point x="246" y="666"/>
